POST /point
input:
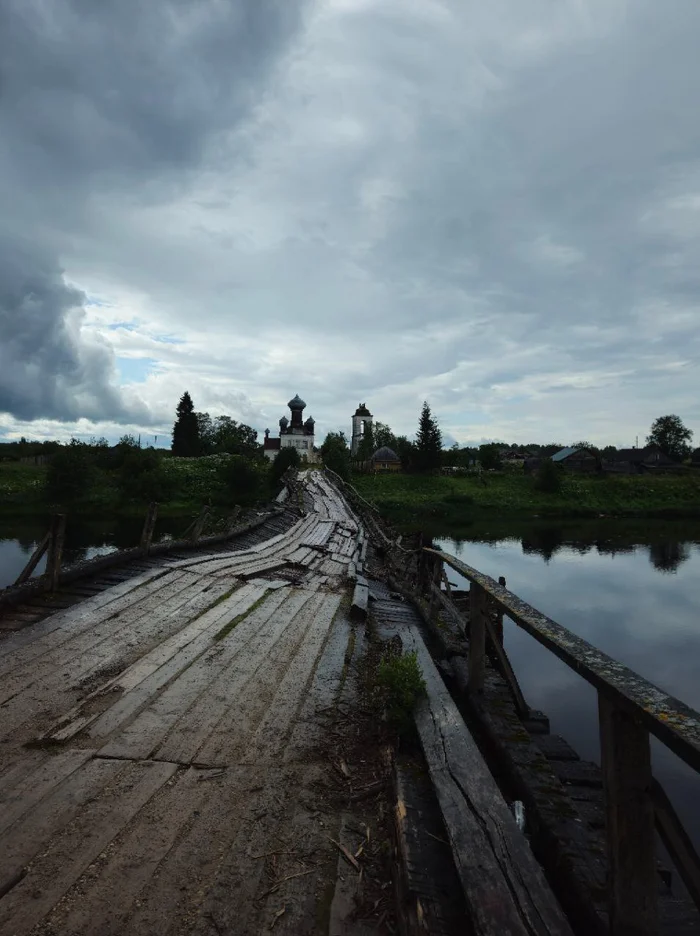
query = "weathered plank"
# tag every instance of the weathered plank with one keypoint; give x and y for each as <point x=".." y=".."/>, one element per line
<point x="504" y="887"/>
<point x="53" y="873"/>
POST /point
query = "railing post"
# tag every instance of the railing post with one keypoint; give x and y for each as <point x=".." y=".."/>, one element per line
<point x="498" y="623"/>
<point x="148" y="527"/>
<point x="53" y="560"/>
<point x="199" y="524"/>
<point x="477" y="637"/>
<point x="626" y="766"/>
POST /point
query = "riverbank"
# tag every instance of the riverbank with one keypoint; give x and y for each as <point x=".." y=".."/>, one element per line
<point x="181" y="487"/>
<point x="409" y="500"/>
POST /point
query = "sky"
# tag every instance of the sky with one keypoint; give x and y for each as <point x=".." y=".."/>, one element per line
<point x="491" y="206"/>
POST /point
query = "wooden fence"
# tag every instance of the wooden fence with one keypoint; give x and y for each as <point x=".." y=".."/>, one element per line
<point x="630" y="710"/>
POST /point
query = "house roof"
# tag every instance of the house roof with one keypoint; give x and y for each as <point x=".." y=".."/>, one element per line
<point x="565" y="453"/>
<point x="385" y="454"/>
<point x="638" y="455"/>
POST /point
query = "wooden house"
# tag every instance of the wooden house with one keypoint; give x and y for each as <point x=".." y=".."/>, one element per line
<point x="576" y="459"/>
<point x="638" y="461"/>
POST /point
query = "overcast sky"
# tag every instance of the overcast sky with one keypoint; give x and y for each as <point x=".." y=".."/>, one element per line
<point x="492" y="206"/>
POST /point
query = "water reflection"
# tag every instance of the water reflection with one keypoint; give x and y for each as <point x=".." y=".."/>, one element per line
<point x="634" y="592"/>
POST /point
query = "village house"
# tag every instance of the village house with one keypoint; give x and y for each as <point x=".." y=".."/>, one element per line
<point x="385" y="460"/>
<point x="638" y="461"/>
<point x="576" y="459"/>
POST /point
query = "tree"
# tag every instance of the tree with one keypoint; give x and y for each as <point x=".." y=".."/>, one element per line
<point x="490" y="455"/>
<point x="70" y="473"/>
<point x="186" y="429"/>
<point x="336" y="454"/>
<point x="548" y="477"/>
<point x="235" y="438"/>
<point x="205" y="433"/>
<point x="428" y="441"/>
<point x="383" y="436"/>
<point x="286" y="458"/>
<point x="670" y="435"/>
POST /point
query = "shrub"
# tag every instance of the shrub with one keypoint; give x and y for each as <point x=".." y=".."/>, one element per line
<point x="239" y="479"/>
<point x="400" y="683"/>
<point x="70" y="473"/>
<point x="548" y="478"/>
<point x="285" y="458"/>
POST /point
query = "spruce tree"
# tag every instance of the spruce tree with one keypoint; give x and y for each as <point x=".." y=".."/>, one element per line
<point x="428" y="441"/>
<point x="186" y="429"/>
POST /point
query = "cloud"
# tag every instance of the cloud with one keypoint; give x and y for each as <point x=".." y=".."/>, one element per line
<point x="48" y="367"/>
<point x="494" y="207"/>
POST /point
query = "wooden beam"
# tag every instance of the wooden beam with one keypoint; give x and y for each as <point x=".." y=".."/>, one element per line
<point x="148" y="527"/>
<point x="53" y="561"/>
<point x="26" y="572"/>
<point x="477" y="638"/>
<point x="198" y="524"/>
<point x="667" y="718"/>
<point x="677" y="841"/>
<point x="505" y="889"/>
<point x="626" y="767"/>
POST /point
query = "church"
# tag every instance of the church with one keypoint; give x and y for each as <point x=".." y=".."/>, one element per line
<point x="294" y="433"/>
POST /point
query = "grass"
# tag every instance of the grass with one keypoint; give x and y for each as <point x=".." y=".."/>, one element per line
<point x="407" y="499"/>
<point x="227" y="628"/>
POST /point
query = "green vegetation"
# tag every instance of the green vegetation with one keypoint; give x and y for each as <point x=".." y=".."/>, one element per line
<point x="428" y="448"/>
<point x="399" y="686"/>
<point x="285" y="459"/>
<point x="419" y="500"/>
<point x="670" y="435"/>
<point x="336" y="454"/>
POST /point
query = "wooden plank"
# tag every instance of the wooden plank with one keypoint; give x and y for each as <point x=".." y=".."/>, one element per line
<point x="360" y="599"/>
<point x="53" y="873"/>
<point x="667" y="718"/>
<point x="30" y="789"/>
<point x="140" y="695"/>
<point x="36" y="556"/>
<point x="32" y="643"/>
<point x="20" y="844"/>
<point x="504" y="887"/>
<point x="191" y="732"/>
<point x="107" y="896"/>
<point x="626" y="767"/>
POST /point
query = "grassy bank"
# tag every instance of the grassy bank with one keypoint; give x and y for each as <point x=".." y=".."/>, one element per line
<point x="410" y="500"/>
<point x="181" y="487"/>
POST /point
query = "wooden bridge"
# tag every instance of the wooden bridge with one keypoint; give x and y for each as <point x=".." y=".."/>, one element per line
<point x="190" y="749"/>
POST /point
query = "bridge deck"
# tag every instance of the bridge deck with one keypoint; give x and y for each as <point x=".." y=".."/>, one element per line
<point x="159" y="736"/>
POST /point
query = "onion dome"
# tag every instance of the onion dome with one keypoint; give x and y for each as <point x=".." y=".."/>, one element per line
<point x="297" y="403"/>
<point x="284" y="422"/>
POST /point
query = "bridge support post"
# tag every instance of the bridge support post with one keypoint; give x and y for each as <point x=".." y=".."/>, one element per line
<point x="477" y="637"/>
<point x="626" y="766"/>
<point x="148" y="527"/>
<point x="53" y="560"/>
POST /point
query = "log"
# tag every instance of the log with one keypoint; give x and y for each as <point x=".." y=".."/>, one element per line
<point x="504" y="887"/>
<point x="26" y="572"/>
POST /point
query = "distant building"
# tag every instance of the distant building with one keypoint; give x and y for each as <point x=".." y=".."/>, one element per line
<point x="576" y="459"/>
<point x="385" y="459"/>
<point x="695" y="459"/>
<point x="360" y="421"/>
<point x="638" y="461"/>
<point x="294" y="433"/>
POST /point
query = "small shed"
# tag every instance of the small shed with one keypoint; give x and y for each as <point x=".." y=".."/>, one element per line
<point x="576" y="459"/>
<point x="385" y="459"/>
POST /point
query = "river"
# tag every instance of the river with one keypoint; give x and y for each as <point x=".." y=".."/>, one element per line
<point x="632" y="590"/>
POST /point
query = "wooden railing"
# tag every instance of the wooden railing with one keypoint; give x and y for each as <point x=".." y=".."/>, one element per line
<point x="53" y="544"/>
<point x="630" y="710"/>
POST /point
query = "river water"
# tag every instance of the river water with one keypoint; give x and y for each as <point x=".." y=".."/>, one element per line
<point x="631" y="589"/>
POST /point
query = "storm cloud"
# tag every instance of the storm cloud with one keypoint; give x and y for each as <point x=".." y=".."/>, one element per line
<point x="494" y="206"/>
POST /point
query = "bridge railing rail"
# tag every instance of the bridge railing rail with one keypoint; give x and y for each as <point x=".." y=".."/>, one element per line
<point x="630" y="710"/>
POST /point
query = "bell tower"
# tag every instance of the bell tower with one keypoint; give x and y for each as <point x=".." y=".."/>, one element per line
<point x="361" y="418"/>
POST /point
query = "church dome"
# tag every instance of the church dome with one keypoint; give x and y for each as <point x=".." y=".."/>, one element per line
<point x="310" y="421"/>
<point x="284" y="422"/>
<point x="362" y="410"/>
<point x="297" y="403"/>
<point x="385" y="454"/>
